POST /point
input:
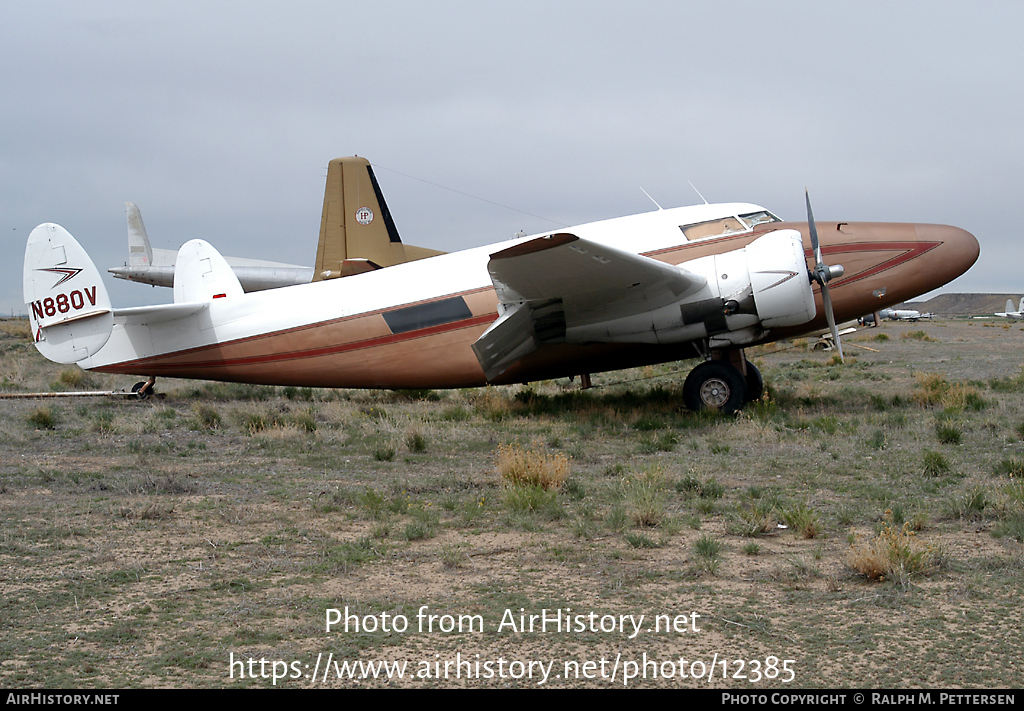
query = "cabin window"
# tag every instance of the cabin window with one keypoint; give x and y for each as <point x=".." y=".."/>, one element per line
<point x="727" y="225"/>
<point x="426" y="315"/>
<point x="713" y="228"/>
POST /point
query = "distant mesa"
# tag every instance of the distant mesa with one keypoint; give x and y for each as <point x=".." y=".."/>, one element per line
<point x="963" y="304"/>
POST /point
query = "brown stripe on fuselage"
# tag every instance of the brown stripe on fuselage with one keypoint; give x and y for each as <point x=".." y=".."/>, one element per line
<point x="360" y="351"/>
<point x="353" y="351"/>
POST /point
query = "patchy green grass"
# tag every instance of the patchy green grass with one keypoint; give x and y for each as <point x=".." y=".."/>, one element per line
<point x="226" y="519"/>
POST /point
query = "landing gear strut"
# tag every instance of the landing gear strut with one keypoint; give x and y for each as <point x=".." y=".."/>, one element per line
<point x="755" y="383"/>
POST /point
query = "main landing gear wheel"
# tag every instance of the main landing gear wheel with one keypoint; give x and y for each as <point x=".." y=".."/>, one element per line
<point x="715" y="385"/>
<point x="755" y="383"/>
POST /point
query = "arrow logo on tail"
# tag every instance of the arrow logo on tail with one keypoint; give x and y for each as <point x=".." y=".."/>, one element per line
<point x="68" y="274"/>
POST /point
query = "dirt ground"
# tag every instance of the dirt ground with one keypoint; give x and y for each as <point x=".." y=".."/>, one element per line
<point x="860" y="526"/>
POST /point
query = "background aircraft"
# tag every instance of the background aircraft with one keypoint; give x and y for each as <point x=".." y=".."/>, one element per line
<point x="349" y="244"/>
<point x="702" y="281"/>
<point x="904" y="315"/>
<point x="148" y="265"/>
<point x="1010" y="313"/>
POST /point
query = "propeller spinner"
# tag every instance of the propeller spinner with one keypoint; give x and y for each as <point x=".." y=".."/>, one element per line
<point x="823" y="274"/>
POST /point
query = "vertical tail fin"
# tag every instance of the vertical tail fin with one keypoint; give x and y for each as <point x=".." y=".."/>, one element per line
<point x="1009" y="306"/>
<point x="356" y="225"/>
<point x="202" y="274"/>
<point x="68" y="306"/>
<point x="140" y="253"/>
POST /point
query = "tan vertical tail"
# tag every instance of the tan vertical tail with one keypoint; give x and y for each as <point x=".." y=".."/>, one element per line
<point x="357" y="232"/>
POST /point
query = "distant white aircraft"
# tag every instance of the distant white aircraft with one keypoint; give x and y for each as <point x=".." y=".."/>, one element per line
<point x="1010" y="313"/>
<point x="904" y="315"/>
<point x="149" y="265"/>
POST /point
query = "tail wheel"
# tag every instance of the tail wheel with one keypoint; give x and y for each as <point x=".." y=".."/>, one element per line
<point x="144" y="388"/>
<point x="715" y="385"/>
<point x="755" y="383"/>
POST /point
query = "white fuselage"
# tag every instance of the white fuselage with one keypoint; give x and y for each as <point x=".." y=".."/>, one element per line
<point x="254" y="314"/>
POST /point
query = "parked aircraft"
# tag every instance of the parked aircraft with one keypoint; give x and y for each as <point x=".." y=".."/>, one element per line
<point x="363" y="244"/>
<point x="904" y="315"/>
<point x="704" y="281"/>
<point x="149" y="265"/>
<point x="1010" y="313"/>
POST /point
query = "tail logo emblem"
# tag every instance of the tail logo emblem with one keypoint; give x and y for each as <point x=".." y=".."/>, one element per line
<point x="68" y="274"/>
<point x="364" y="216"/>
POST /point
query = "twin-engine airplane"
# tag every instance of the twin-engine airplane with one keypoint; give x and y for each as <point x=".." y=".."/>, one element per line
<point x="702" y="282"/>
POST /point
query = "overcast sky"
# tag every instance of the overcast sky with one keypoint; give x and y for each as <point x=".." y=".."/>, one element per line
<point x="218" y="118"/>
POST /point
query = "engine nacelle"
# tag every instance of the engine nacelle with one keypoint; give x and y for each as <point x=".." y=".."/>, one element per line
<point x="763" y="285"/>
<point x="778" y="279"/>
<point x="748" y="291"/>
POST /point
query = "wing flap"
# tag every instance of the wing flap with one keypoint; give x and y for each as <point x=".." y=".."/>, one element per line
<point x="509" y="339"/>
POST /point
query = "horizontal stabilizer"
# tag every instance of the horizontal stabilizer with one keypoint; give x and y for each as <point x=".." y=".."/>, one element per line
<point x="157" y="314"/>
<point x="68" y="306"/>
<point x="202" y="274"/>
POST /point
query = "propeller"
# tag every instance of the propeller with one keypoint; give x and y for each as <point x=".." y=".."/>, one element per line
<point x="823" y="274"/>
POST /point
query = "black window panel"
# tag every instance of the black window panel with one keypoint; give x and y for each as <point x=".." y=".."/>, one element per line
<point x="435" y="313"/>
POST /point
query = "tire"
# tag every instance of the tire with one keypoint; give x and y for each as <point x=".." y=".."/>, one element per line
<point x="141" y="391"/>
<point x="715" y="385"/>
<point x="755" y="383"/>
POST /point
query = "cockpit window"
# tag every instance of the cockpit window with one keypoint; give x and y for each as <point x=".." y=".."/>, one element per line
<point x="727" y="225"/>
<point x="756" y="218"/>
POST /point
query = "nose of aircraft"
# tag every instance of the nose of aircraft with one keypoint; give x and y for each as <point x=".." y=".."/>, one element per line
<point x="958" y="249"/>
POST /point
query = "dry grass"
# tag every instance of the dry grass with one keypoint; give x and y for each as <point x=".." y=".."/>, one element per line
<point x="15" y="328"/>
<point x="933" y="389"/>
<point x="894" y="553"/>
<point x="930" y="388"/>
<point x="643" y="494"/>
<point x="531" y="467"/>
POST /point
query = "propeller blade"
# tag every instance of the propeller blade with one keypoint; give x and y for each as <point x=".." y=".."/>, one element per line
<point x="815" y="246"/>
<point x="827" y="303"/>
<point x="822" y="274"/>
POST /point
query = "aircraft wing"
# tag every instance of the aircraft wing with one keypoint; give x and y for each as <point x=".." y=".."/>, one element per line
<point x="552" y="283"/>
<point x="597" y="283"/>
